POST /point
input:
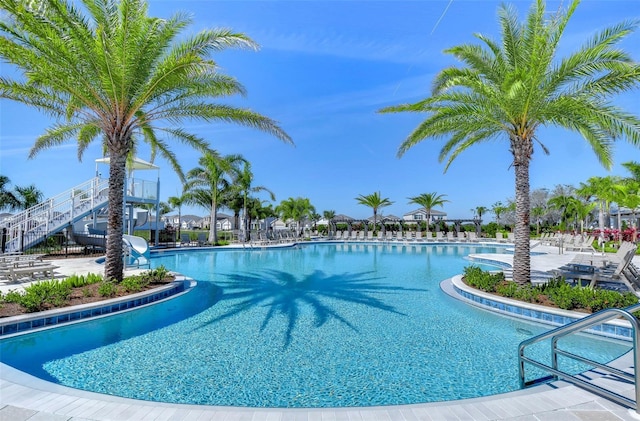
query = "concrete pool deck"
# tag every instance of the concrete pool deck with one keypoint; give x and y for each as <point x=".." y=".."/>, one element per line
<point x="24" y="397"/>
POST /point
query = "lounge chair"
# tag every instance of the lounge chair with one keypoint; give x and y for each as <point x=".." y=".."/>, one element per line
<point x="585" y="243"/>
<point x="439" y="236"/>
<point x="360" y="235"/>
<point x="472" y="236"/>
<point x="599" y="274"/>
<point x="369" y="235"/>
<point x="389" y="236"/>
<point x="202" y="239"/>
<point x="450" y="236"/>
<point x="185" y="239"/>
<point x="418" y="236"/>
<point x="604" y="260"/>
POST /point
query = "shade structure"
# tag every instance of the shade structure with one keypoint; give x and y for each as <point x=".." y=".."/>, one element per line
<point x="136" y="164"/>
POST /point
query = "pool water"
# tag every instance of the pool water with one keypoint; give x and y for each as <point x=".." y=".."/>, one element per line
<point x="319" y="325"/>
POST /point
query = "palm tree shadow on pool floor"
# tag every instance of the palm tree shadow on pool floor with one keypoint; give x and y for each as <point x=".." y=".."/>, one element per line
<point x="284" y="294"/>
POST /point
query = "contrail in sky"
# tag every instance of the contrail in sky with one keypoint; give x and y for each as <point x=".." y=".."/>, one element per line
<point x="431" y="33"/>
<point x="441" y="16"/>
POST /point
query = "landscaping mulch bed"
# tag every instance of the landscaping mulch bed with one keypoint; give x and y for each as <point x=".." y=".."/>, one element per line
<point x="82" y="295"/>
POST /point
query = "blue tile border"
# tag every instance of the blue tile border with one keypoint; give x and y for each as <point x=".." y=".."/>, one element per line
<point x="46" y="319"/>
<point x="457" y="289"/>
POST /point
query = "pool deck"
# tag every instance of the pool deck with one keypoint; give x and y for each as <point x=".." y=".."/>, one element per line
<point x="24" y="397"/>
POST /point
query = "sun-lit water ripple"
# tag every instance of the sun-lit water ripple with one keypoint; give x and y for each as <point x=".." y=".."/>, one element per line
<point x="314" y="326"/>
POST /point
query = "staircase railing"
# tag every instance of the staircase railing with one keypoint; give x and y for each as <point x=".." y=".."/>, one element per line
<point x="27" y="227"/>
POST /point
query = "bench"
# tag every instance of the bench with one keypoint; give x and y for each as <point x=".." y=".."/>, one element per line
<point x="14" y="273"/>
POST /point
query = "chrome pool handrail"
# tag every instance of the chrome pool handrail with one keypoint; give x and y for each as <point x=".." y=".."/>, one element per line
<point x="575" y="327"/>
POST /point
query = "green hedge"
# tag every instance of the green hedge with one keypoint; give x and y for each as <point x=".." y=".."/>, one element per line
<point x="557" y="291"/>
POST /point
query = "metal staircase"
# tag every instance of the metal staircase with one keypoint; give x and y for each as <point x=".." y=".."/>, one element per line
<point x="33" y="225"/>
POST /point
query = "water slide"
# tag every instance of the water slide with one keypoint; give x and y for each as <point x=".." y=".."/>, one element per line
<point x="137" y="250"/>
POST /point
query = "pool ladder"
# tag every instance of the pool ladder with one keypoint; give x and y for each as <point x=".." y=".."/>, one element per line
<point x="579" y="325"/>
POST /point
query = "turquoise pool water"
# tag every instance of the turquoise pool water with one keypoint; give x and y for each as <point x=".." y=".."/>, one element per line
<point x="320" y="325"/>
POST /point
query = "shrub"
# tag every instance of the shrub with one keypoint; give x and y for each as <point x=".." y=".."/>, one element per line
<point x="507" y="289"/>
<point x="481" y="279"/>
<point x="13" y="297"/>
<point x="155" y="275"/>
<point x="37" y="296"/>
<point x="134" y="283"/>
<point x="563" y="297"/>
<point x="557" y="290"/>
<point x="108" y="289"/>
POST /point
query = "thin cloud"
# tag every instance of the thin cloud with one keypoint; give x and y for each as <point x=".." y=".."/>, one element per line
<point x="407" y="50"/>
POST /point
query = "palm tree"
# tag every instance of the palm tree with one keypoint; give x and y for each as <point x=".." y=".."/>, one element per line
<point x="244" y="184"/>
<point x="177" y="202"/>
<point x="634" y="168"/>
<point x="206" y="184"/>
<point x="582" y="210"/>
<point x="632" y="184"/>
<point x="498" y="209"/>
<point x="604" y="190"/>
<point x="429" y="201"/>
<point x="27" y="197"/>
<point x="8" y="199"/>
<point x="297" y="209"/>
<point x="481" y="210"/>
<point x="564" y="204"/>
<point x="328" y="215"/>
<point x="508" y="89"/>
<point x="315" y="217"/>
<point x="108" y="71"/>
<point x="375" y="202"/>
<point x="537" y="213"/>
<point x="234" y="200"/>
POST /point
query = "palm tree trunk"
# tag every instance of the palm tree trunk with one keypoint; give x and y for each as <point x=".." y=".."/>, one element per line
<point x="114" y="266"/>
<point x="244" y="218"/>
<point x="179" y="220"/>
<point x="521" y="256"/>
<point x="213" y="225"/>
<point x="619" y="226"/>
<point x="375" y="220"/>
<point x="601" y="222"/>
<point x="213" y="215"/>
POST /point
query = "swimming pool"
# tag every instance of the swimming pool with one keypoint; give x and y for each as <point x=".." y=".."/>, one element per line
<point x="322" y="325"/>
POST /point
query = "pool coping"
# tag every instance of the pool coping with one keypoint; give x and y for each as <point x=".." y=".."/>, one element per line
<point x="35" y="322"/>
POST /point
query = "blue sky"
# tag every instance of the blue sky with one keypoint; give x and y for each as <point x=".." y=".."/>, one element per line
<point x="323" y="70"/>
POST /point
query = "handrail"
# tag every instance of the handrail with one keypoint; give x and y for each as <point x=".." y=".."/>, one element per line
<point x="577" y="326"/>
<point x="22" y="229"/>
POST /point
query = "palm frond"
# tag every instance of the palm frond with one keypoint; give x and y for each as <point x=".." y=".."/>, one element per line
<point x="56" y="135"/>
